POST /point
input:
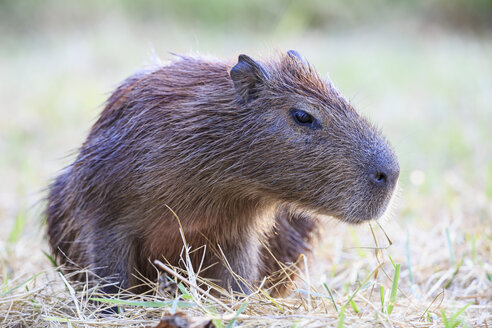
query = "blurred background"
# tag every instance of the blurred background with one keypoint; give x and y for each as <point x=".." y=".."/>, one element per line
<point x="421" y="70"/>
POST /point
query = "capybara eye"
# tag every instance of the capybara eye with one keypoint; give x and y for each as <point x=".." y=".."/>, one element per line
<point x="303" y="118"/>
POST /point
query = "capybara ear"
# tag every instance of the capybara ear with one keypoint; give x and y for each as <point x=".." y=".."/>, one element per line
<point x="295" y="55"/>
<point x="248" y="76"/>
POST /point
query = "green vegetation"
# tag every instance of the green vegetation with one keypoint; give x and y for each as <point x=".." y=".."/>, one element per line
<point x="453" y="321"/>
<point x="394" y="289"/>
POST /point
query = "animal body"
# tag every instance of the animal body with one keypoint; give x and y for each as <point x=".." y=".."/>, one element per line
<point x="248" y="154"/>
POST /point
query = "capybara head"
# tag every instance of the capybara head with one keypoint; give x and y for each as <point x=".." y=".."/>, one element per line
<point x="307" y="146"/>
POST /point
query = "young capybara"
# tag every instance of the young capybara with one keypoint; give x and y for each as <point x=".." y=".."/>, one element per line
<point x="249" y="157"/>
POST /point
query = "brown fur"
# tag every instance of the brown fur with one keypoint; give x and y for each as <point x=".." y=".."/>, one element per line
<point x="217" y="144"/>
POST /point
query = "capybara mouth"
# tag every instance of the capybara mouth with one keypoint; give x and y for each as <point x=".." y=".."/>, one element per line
<point x="369" y="211"/>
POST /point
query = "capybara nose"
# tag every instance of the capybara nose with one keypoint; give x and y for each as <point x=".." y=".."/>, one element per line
<point x="379" y="177"/>
<point x="385" y="173"/>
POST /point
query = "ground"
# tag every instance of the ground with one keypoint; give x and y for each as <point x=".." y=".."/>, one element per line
<point x="428" y="88"/>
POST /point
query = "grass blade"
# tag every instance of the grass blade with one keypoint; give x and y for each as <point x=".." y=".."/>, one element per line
<point x="354" y="306"/>
<point x="455" y="273"/>
<point x="444" y="319"/>
<point x="238" y="312"/>
<point x="18" y="228"/>
<point x="394" y="289"/>
<point x="341" y="317"/>
<point x="50" y="258"/>
<point x="455" y="316"/>
<point x="362" y="284"/>
<point x="381" y="292"/>
<point x="19" y="285"/>
<point x="272" y="300"/>
<point x="184" y="292"/>
<point x="56" y="319"/>
<point x="359" y="249"/>
<point x="150" y="304"/>
<point x="331" y="296"/>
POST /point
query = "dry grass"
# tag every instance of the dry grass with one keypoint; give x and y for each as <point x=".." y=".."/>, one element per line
<point x="445" y="267"/>
<point x="429" y="89"/>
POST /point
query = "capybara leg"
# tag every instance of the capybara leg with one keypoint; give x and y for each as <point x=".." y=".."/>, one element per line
<point x="113" y="260"/>
<point x="292" y="236"/>
<point x="235" y="266"/>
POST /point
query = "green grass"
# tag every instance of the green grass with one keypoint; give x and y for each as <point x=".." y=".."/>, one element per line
<point x="331" y="296"/>
<point x="155" y="304"/>
<point x="20" y="222"/>
<point x="238" y="312"/>
<point x="453" y="321"/>
<point x="394" y="289"/>
<point x="24" y="283"/>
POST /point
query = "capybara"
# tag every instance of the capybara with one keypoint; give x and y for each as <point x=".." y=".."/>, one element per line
<point x="248" y="155"/>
